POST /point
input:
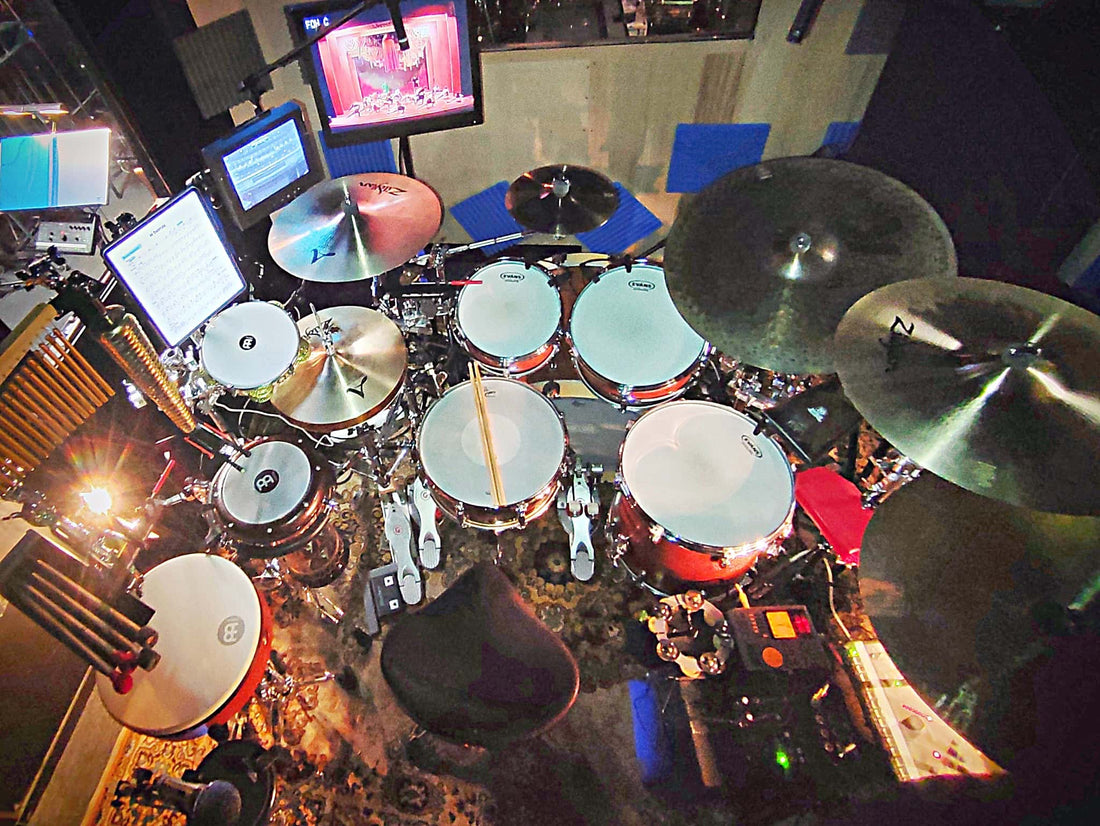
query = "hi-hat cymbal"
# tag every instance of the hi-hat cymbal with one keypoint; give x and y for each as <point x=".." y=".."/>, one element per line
<point x="958" y="586"/>
<point x="355" y="367"/>
<point x="355" y="227"/>
<point x="561" y="199"/>
<point x="764" y="261"/>
<point x="991" y="386"/>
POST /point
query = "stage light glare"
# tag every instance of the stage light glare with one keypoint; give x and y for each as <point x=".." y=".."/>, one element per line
<point x="97" y="500"/>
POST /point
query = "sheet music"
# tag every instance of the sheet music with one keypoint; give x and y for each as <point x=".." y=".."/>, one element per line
<point x="177" y="267"/>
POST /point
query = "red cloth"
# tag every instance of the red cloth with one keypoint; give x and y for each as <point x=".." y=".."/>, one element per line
<point x="836" y="507"/>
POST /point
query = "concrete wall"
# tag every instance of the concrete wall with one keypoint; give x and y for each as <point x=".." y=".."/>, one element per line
<point x="615" y="108"/>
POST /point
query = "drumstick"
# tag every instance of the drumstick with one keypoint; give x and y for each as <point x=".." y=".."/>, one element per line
<point x="486" y="436"/>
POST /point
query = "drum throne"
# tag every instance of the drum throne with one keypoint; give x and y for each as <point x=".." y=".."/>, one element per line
<point x="476" y="667"/>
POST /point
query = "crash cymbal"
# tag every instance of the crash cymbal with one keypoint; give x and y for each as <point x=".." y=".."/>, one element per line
<point x="996" y="388"/>
<point x="958" y="586"/>
<point x="764" y="261"/>
<point x="561" y="199"/>
<point x="355" y="367"/>
<point x="354" y="227"/>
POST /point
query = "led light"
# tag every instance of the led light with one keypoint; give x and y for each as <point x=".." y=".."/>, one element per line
<point x="97" y="500"/>
<point x="782" y="759"/>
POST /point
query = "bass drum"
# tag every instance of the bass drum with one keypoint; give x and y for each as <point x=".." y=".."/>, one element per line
<point x="275" y="499"/>
<point x="530" y="445"/>
<point x="511" y="321"/>
<point x="701" y="496"/>
<point x="214" y="639"/>
<point x="630" y="344"/>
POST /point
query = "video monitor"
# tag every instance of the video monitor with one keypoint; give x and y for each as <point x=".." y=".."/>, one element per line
<point x="368" y="89"/>
<point x="264" y="164"/>
<point x="177" y="266"/>
<point x="55" y="169"/>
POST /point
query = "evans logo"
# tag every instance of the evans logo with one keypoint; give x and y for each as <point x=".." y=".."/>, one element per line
<point x="751" y="448"/>
<point x="512" y="276"/>
<point x="641" y="286"/>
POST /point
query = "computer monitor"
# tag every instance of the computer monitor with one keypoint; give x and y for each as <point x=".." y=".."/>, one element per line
<point x="368" y="89"/>
<point x="54" y="169"/>
<point x="177" y="266"/>
<point x="264" y="164"/>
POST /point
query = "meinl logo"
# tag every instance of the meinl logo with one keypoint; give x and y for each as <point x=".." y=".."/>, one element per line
<point x="751" y="447"/>
<point x="641" y="286"/>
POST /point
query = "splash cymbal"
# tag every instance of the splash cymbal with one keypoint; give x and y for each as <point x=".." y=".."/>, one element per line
<point x="355" y="367"/>
<point x="991" y="386"/>
<point x="764" y="261"/>
<point x="354" y="227"/>
<point x="561" y="199"/>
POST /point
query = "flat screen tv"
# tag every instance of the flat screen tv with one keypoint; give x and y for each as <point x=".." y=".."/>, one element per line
<point x="264" y="164"/>
<point x="368" y="89"/>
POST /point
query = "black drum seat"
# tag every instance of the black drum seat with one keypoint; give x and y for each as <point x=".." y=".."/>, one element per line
<point x="477" y="667"/>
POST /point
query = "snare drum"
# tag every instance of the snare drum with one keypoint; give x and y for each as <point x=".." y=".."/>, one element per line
<point x="530" y="445"/>
<point x="629" y="342"/>
<point x="700" y="495"/>
<point x="511" y="321"/>
<point x="278" y="499"/>
<point x="250" y="346"/>
<point x="214" y="640"/>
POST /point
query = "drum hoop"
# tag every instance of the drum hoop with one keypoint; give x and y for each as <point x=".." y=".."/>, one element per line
<point x="316" y="484"/>
<point x="625" y="393"/>
<point x="543" y="353"/>
<point x="562" y="463"/>
<point x="758" y="544"/>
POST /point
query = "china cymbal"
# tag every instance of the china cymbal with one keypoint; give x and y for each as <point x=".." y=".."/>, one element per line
<point x="996" y="388"/>
<point x="355" y="367"/>
<point x="958" y="586"/>
<point x="355" y="227"/>
<point x="561" y="199"/>
<point x="764" y="261"/>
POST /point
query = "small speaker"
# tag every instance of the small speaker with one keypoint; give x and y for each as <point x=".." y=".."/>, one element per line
<point x="217" y="57"/>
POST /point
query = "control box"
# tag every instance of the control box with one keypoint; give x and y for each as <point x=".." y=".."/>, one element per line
<point x="76" y="237"/>
<point x="777" y="639"/>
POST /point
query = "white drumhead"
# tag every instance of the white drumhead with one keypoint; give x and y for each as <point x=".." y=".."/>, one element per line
<point x="249" y="345"/>
<point x="626" y="328"/>
<point x="528" y="439"/>
<point x="697" y="470"/>
<point x="513" y="312"/>
<point x="208" y="624"/>
<point x="274" y="480"/>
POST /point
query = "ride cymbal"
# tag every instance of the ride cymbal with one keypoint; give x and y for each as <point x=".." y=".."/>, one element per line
<point x="991" y="386"/>
<point x="960" y="587"/>
<point x="561" y="199"/>
<point x="355" y="367"/>
<point x="764" y="261"/>
<point x="355" y="227"/>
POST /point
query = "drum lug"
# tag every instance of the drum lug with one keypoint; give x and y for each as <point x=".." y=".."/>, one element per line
<point x="460" y="514"/>
<point x="619" y="546"/>
<point x="656" y="534"/>
<point x="521" y="519"/>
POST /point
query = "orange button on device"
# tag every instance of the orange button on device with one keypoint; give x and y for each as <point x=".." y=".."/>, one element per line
<point x="772" y="657"/>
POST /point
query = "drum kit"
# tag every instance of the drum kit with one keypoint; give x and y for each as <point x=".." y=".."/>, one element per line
<point x="792" y="268"/>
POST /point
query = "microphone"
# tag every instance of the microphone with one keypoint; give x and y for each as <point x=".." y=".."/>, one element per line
<point x="398" y="24"/>
<point x="217" y="803"/>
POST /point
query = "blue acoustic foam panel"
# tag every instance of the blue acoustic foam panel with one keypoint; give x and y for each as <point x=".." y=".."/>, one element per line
<point x="483" y="215"/>
<point x="840" y="135"/>
<point x="376" y="156"/>
<point x="704" y="152"/>
<point x="629" y="224"/>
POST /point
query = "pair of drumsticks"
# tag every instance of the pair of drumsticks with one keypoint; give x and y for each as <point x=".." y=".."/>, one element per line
<point x="495" y="484"/>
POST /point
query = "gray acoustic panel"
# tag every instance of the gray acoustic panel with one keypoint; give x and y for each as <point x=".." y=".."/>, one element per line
<point x="217" y="57"/>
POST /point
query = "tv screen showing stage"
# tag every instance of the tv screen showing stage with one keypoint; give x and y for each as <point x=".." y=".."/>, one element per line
<point x="367" y="88"/>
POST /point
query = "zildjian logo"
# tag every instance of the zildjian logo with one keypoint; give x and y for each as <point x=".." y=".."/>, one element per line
<point x="384" y="189"/>
<point x="358" y="391"/>
<point x="893" y="343"/>
<point x="318" y="255"/>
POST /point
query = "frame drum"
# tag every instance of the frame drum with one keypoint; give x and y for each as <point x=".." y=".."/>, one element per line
<point x="700" y="495"/>
<point x="511" y="321"/>
<point x="278" y="499"/>
<point x="249" y="346"/>
<point x="530" y="444"/>
<point x="214" y="640"/>
<point x="629" y="342"/>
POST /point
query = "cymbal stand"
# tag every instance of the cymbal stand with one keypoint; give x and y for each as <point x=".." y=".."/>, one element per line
<point x="279" y="686"/>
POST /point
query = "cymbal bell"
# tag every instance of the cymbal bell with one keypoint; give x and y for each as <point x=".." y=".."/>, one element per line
<point x="355" y="367"/>
<point x="354" y="227"/>
<point x="991" y="386"/>
<point x="764" y="261"/>
<point x="958" y="586"/>
<point x="561" y="199"/>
